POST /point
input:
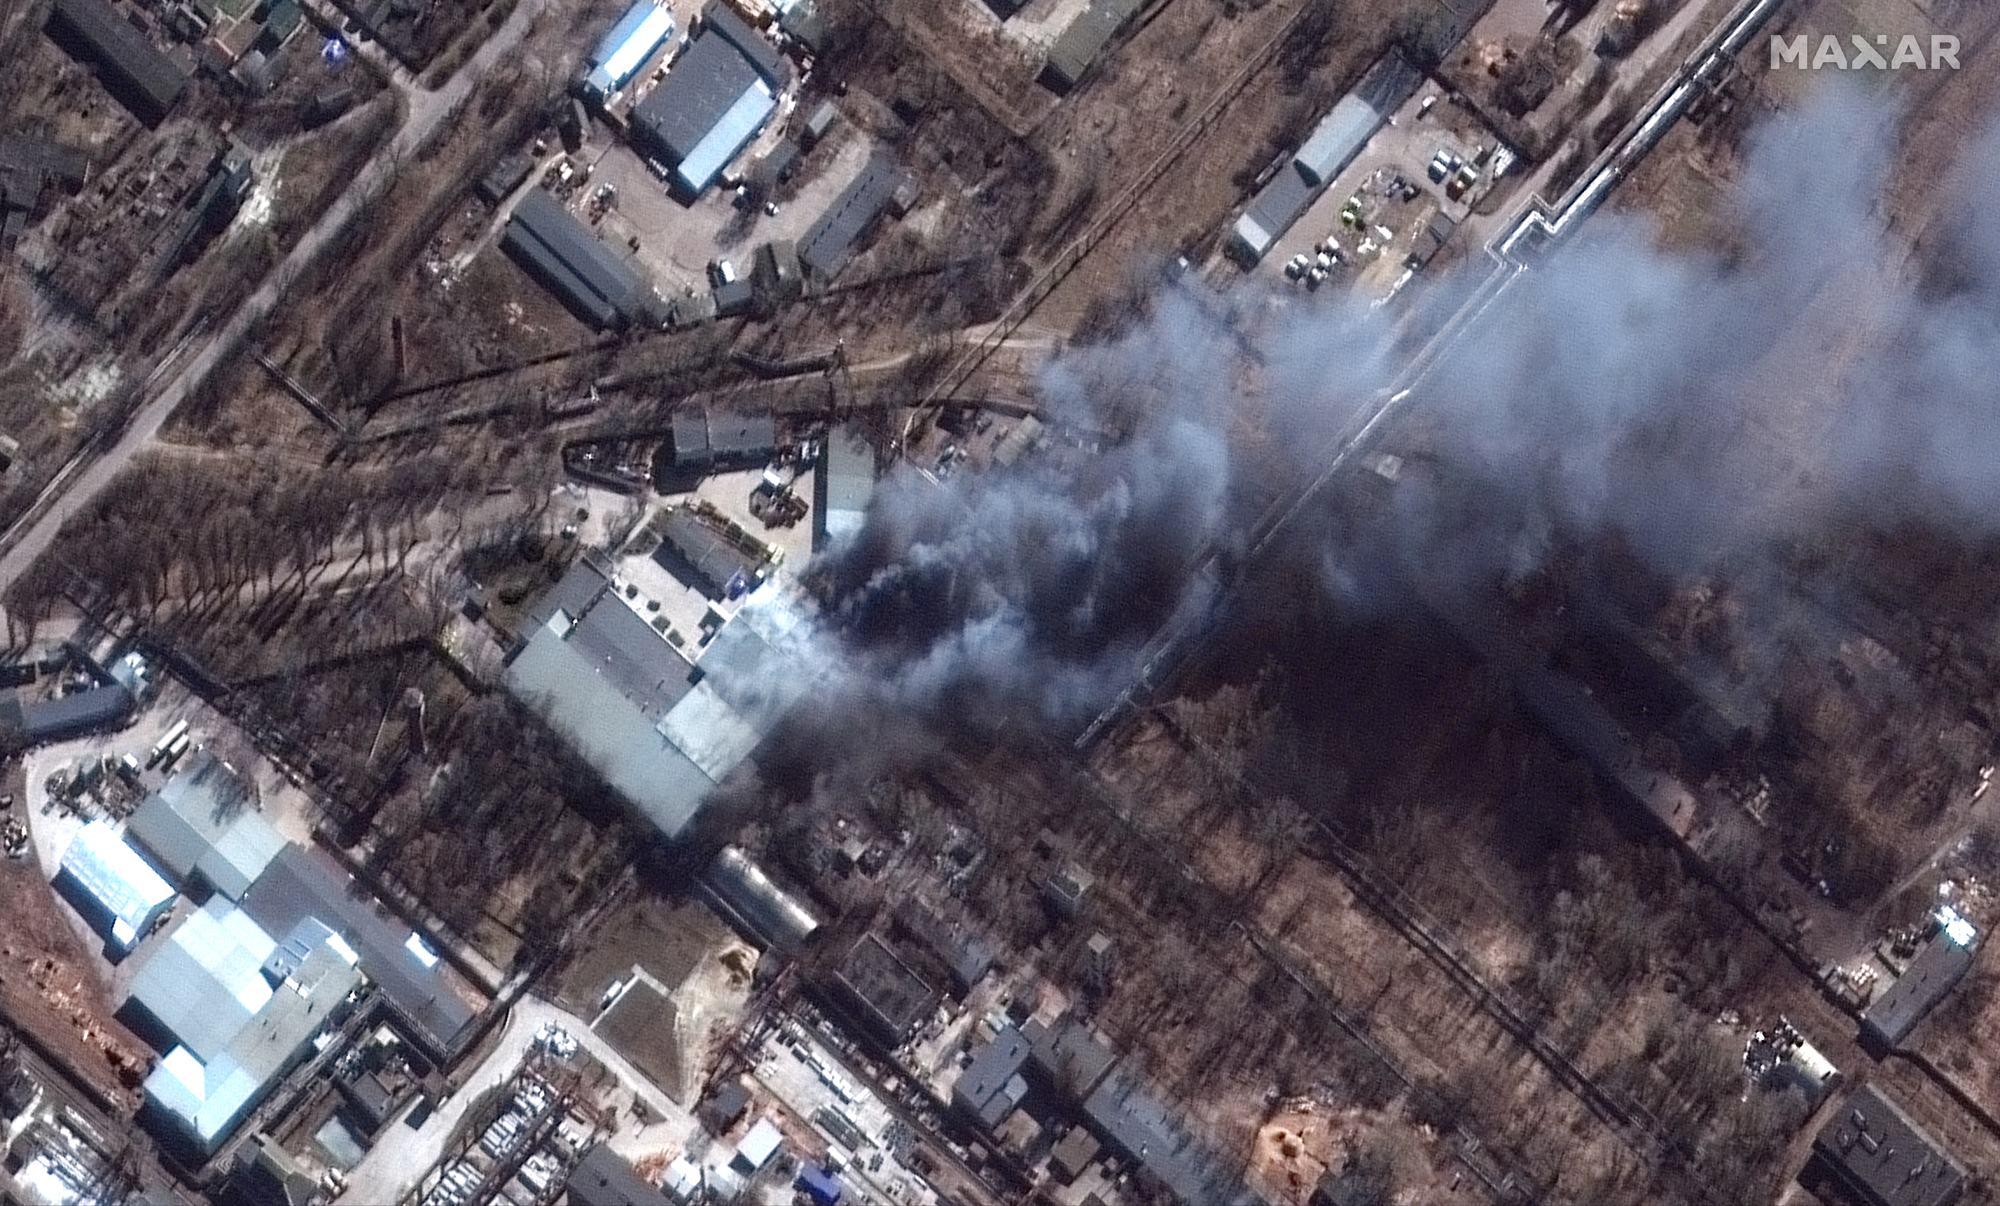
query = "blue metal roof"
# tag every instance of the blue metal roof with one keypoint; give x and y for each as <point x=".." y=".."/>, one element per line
<point x="636" y="36"/>
<point x="819" y="1185"/>
<point x="738" y="125"/>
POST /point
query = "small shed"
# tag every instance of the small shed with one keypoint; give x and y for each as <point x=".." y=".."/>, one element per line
<point x="820" y="123"/>
<point x="758" y="1146"/>
<point x="819" y="1185"/>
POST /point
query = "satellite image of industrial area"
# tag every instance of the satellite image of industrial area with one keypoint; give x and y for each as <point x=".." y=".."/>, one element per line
<point x="999" y="602"/>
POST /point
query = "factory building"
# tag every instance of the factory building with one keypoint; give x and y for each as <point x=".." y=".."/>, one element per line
<point x="604" y="1178"/>
<point x="72" y="715"/>
<point x="1937" y="968"/>
<point x="559" y="251"/>
<point x="1132" y="1121"/>
<point x="747" y="898"/>
<point x="621" y="52"/>
<point x="713" y="553"/>
<point x="664" y="725"/>
<point x="992" y="1085"/>
<point x="844" y="486"/>
<point x="144" y="80"/>
<point x="707" y="442"/>
<point x="715" y="99"/>
<point x="1875" y="1154"/>
<point x="237" y="1010"/>
<point x="1333" y="144"/>
<point x="201" y="828"/>
<point x="643" y="1024"/>
<point x="1077" y="47"/>
<point x="112" y="887"/>
<point x="832" y="240"/>
<point x="882" y="992"/>
<point x="304" y="886"/>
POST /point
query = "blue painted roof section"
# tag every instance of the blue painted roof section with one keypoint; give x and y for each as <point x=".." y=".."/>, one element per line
<point x="637" y="35"/>
<point x="738" y="126"/>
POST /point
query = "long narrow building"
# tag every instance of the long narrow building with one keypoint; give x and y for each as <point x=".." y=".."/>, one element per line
<point x="561" y="252"/>
<point x="144" y="80"/>
<point x="1333" y="144"/>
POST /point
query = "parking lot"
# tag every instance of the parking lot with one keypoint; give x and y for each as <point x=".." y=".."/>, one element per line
<point x="677" y="242"/>
<point x="1427" y="127"/>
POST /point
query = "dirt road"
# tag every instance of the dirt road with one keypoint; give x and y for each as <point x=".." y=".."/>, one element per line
<point x="82" y="481"/>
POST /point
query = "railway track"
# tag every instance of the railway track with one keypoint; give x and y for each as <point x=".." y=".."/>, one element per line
<point x="1078" y="249"/>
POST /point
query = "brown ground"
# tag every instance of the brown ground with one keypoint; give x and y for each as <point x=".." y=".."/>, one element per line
<point x="50" y="989"/>
<point x="666" y="937"/>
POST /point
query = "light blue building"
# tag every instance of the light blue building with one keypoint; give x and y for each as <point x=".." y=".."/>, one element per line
<point x="626" y="48"/>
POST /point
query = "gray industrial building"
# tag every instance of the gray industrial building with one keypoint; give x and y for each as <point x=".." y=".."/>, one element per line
<point x="662" y="732"/>
<point x="747" y="898"/>
<point x="202" y="827"/>
<point x="603" y="1178"/>
<point x="1333" y="144"/>
<point x="561" y="252"/>
<point x="844" y="486"/>
<point x="827" y="247"/>
<point x="1877" y="1155"/>
<point x="885" y="994"/>
<point x="716" y="97"/>
<point x="964" y="956"/>
<point x="113" y="888"/>
<point x="692" y="547"/>
<point x="1077" y="47"/>
<point x="144" y="80"/>
<point x="508" y="174"/>
<point x="28" y="167"/>
<point x="733" y="299"/>
<point x="705" y="440"/>
<point x="72" y="715"/>
<point x="1132" y="1121"/>
<point x="237" y="1010"/>
<point x="776" y="271"/>
<point x="302" y="885"/>
<point x="1073" y="1062"/>
<point x="992" y="1085"/>
<point x="1937" y="968"/>
<point x="1069" y="1057"/>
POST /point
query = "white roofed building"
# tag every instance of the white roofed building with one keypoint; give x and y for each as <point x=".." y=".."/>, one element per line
<point x="235" y="1009"/>
<point x="112" y="886"/>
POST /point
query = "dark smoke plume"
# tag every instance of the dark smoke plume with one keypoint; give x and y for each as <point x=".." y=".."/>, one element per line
<point x="1704" y="407"/>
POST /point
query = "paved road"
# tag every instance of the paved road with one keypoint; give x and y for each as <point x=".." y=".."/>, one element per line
<point x="80" y="484"/>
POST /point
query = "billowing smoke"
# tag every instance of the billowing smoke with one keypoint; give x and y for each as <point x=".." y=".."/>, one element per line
<point x="1703" y="406"/>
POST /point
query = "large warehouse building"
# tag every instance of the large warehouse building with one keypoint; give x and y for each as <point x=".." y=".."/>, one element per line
<point x="201" y="826"/>
<point x="662" y="728"/>
<point x="1083" y="39"/>
<point x="827" y="247"/>
<point x="144" y="80"/>
<point x="562" y="253"/>
<point x="715" y="99"/>
<point x="1333" y="144"/>
<point x="112" y="887"/>
<point x="238" y="1008"/>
